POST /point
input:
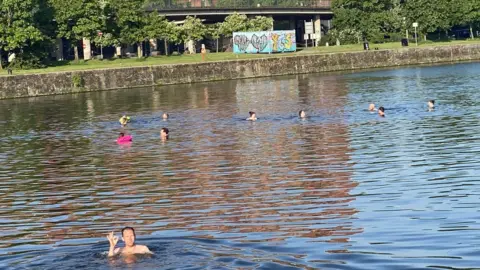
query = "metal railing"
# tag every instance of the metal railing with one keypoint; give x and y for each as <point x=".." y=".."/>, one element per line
<point x="241" y="4"/>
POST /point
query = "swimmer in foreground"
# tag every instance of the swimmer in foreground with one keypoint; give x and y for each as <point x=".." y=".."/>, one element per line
<point x="302" y="114"/>
<point x="431" y="105"/>
<point x="124" y="120"/>
<point x="381" y="111"/>
<point x="165" y="116"/>
<point x="128" y="236"/>
<point x="124" y="138"/>
<point x="371" y="107"/>
<point x="252" y="117"/>
<point x="164" y="134"/>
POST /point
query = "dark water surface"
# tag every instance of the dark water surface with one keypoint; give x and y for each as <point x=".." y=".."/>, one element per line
<point x="343" y="189"/>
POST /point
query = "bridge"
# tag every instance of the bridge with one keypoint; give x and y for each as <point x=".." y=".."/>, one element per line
<point x="287" y="14"/>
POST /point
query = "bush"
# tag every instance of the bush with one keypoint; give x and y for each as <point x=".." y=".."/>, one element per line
<point x="29" y="60"/>
<point x="77" y="80"/>
<point x="346" y="36"/>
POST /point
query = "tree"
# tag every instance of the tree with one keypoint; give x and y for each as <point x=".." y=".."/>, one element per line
<point x="214" y="32"/>
<point x="131" y="21"/>
<point x="430" y="15"/>
<point x="81" y="19"/>
<point x="192" y="30"/>
<point x="234" y="23"/>
<point x="18" y="26"/>
<point x="372" y="18"/>
<point x="260" y="23"/>
<point x="157" y="27"/>
<point x="467" y="12"/>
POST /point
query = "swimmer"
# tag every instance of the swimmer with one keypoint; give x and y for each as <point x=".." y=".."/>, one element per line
<point x="164" y="134"/>
<point x="124" y="138"/>
<point x="124" y="120"/>
<point x="381" y="111"/>
<point x="302" y="114"/>
<point x="431" y="104"/>
<point x="165" y="116"/>
<point x="371" y="107"/>
<point x="252" y="117"/>
<point x="128" y="236"/>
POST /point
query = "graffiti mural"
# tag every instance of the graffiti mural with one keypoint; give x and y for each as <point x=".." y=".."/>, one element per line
<point x="264" y="42"/>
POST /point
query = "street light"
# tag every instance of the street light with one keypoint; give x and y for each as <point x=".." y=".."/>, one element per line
<point x="415" y="25"/>
<point x="100" y="34"/>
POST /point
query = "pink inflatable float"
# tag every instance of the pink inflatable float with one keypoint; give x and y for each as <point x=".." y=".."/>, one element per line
<point x="124" y="139"/>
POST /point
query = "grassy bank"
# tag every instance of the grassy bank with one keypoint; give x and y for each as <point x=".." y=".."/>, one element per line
<point x="197" y="58"/>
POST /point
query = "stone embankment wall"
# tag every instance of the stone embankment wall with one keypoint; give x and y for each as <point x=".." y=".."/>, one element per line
<point x="106" y="79"/>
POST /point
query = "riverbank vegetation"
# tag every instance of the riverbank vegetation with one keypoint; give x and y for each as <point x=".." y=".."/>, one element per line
<point x="378" y="21"/>
<point x="221" y="56"/>
<point x="30" y="30"/>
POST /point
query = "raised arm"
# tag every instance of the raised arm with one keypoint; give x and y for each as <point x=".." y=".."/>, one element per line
<point x="113" y="242"/>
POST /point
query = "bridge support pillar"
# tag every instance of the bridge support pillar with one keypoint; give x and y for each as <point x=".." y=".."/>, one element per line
<point x="87" y="49"/>
<point x="318" y="29"/>
<point x="59" y="49"/>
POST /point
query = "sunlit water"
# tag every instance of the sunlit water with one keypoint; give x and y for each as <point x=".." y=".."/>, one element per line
<point x="343" y="189"/>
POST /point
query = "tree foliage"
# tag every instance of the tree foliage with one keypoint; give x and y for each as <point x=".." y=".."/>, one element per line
<point x="18" y="27"/>
<point x="192" y="29"/>
<point x="241" y="23"/>
<point x="29" y="27"/>
<point x="17" y="24"/>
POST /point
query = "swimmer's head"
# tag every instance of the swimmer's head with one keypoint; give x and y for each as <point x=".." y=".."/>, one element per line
<point x="431" y="104"/>
<point x="164" y="133"/>
<point x="128" y="236"/>
<point x="165" y="115"/>
<point x="122" y="134"/>
<point x="253" y="116"/>
<point x="302" y="114"/>
<point x="371" y="107"/>
<point x="381" y="111"/>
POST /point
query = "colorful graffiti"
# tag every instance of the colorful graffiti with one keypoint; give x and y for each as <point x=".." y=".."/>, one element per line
<point x="264" y="42"/>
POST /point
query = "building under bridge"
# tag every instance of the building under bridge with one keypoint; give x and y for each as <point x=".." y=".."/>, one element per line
<point x="287" y="15"/>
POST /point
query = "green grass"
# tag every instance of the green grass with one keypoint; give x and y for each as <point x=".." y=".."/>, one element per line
<point x="389" y="46"/>
<point x="197" y="58"/>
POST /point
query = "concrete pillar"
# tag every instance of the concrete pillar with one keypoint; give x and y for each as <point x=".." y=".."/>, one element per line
<point x="153" y="44"/>
<point x="140" y="49"/>
<point x="87" y="49"/>
<point x="118" y="51"/>
<point x="59" y="49"/>
<point x="317" y="25"/>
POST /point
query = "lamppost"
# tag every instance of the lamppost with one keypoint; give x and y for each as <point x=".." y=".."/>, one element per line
<point x="415" y="25"/>
<point x="100" y="34"/>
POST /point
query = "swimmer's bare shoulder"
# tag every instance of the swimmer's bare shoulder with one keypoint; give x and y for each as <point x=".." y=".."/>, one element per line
<point x="143" y="249"/>
<point x="139" y="249"/>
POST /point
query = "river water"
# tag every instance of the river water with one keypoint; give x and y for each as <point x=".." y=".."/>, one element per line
<point x="342" y="189"/>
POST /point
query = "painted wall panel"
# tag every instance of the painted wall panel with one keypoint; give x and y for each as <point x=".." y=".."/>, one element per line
<point x="264" y="42"/>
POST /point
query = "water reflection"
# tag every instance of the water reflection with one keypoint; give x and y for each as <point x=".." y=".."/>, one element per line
<point x="339" y="189"/>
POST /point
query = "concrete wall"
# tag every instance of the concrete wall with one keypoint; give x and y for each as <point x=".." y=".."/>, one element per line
<point x="106" y="79"/>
